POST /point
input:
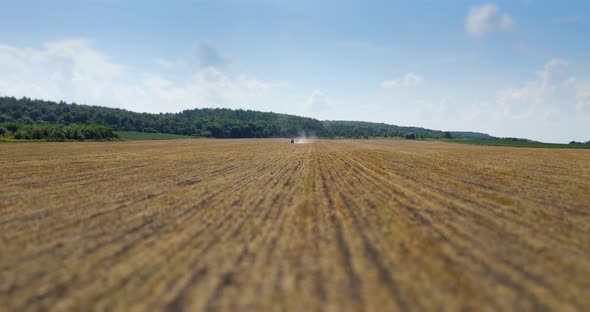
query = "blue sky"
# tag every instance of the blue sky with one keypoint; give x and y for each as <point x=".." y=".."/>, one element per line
<point x="507" y="68"/>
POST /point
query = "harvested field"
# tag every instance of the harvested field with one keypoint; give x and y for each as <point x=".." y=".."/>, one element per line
<point x="375" y="225"/>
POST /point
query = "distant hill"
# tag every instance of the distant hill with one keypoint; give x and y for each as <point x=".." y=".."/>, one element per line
<point x="370" y="129"/>
<point x="207" y="122"/>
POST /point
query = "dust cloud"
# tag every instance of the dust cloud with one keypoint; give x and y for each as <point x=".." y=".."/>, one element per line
<point x="305" y="139"/>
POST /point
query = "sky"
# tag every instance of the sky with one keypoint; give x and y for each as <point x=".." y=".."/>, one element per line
<point x="518" y="68"/>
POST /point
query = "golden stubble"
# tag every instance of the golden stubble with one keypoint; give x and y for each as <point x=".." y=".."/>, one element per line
<point x="333" y="225"/>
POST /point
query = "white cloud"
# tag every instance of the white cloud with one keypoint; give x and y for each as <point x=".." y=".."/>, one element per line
<point x="170" y="64"/>
<point x="550" y="106"/>
<point x="549" y="72"/>
<point x="486" y="19"/>
<point x="208" y="87"/>
<point x="408" y="80"/>
<point x="541" y="94"/>
<point x="431" y="110"/>
<point x="67" y="66"/>
<point x="74" y="71"/>
<point x="317" y="102"/>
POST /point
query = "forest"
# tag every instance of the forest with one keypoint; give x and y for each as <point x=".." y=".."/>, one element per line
<point x="55" y="132"/>
<point x="206" y="122"/>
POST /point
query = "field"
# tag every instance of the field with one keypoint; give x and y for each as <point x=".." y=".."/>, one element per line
<point x="340" y="225"/>
<point x="499" y="142"/>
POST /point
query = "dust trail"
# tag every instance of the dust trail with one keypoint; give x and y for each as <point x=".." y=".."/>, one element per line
<point x="303" y="138"/>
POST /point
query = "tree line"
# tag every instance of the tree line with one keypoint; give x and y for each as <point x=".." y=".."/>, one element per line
<point x="578" y="143"/>
<point x="56" y="132"/>
<point x="206" y="122"/>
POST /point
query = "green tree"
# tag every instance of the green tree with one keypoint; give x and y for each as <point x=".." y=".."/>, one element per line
<point x="205" y="133"/>
<point x="50" y="118"/>
<point x="411" y="136"/>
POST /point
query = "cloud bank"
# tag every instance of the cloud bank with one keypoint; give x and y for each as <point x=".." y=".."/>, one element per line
<point x="551" y="106"/>
<point x="73" y="70"/>
<point x="538" y="95"/>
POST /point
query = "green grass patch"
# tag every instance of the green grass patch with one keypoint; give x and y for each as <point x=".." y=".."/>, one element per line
<point x="136" y="136"/>
<point x="492" y="142"/>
